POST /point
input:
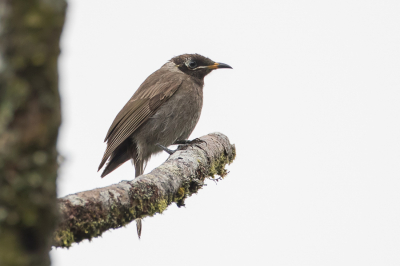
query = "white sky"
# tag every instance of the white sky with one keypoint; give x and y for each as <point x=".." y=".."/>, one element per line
<point x="312" y="105"/>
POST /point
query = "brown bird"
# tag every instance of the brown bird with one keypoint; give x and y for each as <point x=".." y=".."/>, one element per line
<point x="163" y="111"/>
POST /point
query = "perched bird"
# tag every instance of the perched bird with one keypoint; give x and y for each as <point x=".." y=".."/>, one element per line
<point x="163" y="111"/>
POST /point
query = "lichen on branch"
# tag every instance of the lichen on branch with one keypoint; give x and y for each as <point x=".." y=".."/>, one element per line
<point x="88" y="214"/>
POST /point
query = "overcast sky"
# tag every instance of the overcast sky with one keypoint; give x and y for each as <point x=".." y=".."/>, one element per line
<point x="312" y="105"/>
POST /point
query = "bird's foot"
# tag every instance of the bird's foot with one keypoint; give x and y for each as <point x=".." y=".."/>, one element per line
<point x="165" y="149"/>
<point x="181" y="142"/>
<point x="189" y="142"/>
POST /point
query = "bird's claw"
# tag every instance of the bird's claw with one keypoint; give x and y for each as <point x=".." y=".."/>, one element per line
<point x="189" y="142"/>
<point x="198" y="141"/>
<point x="184" y="142"/>
<point x="170" y="152"/>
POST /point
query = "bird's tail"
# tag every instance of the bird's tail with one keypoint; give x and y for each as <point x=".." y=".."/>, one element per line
<point x="119" y="156"/>
<point x="139" y="226"/>
<point x="139" y="169"/>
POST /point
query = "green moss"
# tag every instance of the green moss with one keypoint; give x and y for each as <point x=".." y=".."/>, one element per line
<point x="64" y="237"/>
<point x="91" y="220"/>
<point x="233" y="157"/>
<point x="180" y="194"/>
<point x="218" y="166"/>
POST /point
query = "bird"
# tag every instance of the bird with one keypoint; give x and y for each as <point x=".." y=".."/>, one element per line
<point x="163" y="111"/>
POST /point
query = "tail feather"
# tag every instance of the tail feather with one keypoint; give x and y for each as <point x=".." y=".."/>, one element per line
<point x="117" y="158"/>
<point x="139" y="169"/>
<point x="139" y="226"/>
<point x="122" y="154"/>
<point x="137" y="161"/>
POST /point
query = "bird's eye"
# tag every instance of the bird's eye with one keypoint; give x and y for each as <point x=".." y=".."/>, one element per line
<point x="192" y="64"/>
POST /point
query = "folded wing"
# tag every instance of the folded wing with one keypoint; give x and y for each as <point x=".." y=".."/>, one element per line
<point x="143" y="104"/>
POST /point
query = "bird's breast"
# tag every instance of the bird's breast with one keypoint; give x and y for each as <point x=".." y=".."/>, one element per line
<point x="181" y="112"/>
<point x="174" y="120"/>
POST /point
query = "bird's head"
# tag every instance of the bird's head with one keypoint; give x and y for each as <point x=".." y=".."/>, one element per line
<point x="196" y="65"/>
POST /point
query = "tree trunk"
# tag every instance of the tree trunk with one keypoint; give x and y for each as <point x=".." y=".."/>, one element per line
<point x="29" y="121"/>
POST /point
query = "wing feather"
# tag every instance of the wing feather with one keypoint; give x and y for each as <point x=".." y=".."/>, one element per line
<point x="143" y="104"/>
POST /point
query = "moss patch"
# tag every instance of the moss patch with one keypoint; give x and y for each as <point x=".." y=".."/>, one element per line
<point x="92" y="219"/>
<point x="218" y="166"/>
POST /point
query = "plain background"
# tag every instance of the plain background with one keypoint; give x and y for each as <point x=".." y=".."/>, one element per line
<point x="312" y="104"/>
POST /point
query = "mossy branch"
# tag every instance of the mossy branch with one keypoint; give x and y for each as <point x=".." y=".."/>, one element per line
<point x="88" y="214"/>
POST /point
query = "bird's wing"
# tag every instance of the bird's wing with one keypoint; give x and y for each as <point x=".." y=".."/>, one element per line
<point x="143" y="104"/>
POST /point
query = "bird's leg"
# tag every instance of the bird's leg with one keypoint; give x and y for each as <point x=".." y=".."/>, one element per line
<point x="188" y="142"/>
<point x="181" y="142"/>
<point x="165" y="149"/>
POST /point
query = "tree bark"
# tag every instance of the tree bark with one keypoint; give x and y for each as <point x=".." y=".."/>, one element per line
<point x="29" y="121"/>
<point x="88" y="214"/>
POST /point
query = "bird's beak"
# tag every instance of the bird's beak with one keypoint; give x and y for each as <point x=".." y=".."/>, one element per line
<point x="219" y="65"/>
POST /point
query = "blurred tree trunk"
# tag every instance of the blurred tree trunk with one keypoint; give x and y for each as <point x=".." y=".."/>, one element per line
<point x="29" y="120"/>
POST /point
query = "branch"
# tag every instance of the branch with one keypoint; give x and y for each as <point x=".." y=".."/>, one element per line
<point x="88" y="214"/>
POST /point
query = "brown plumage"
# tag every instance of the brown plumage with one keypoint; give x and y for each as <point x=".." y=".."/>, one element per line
<point x="165" y="109"/>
